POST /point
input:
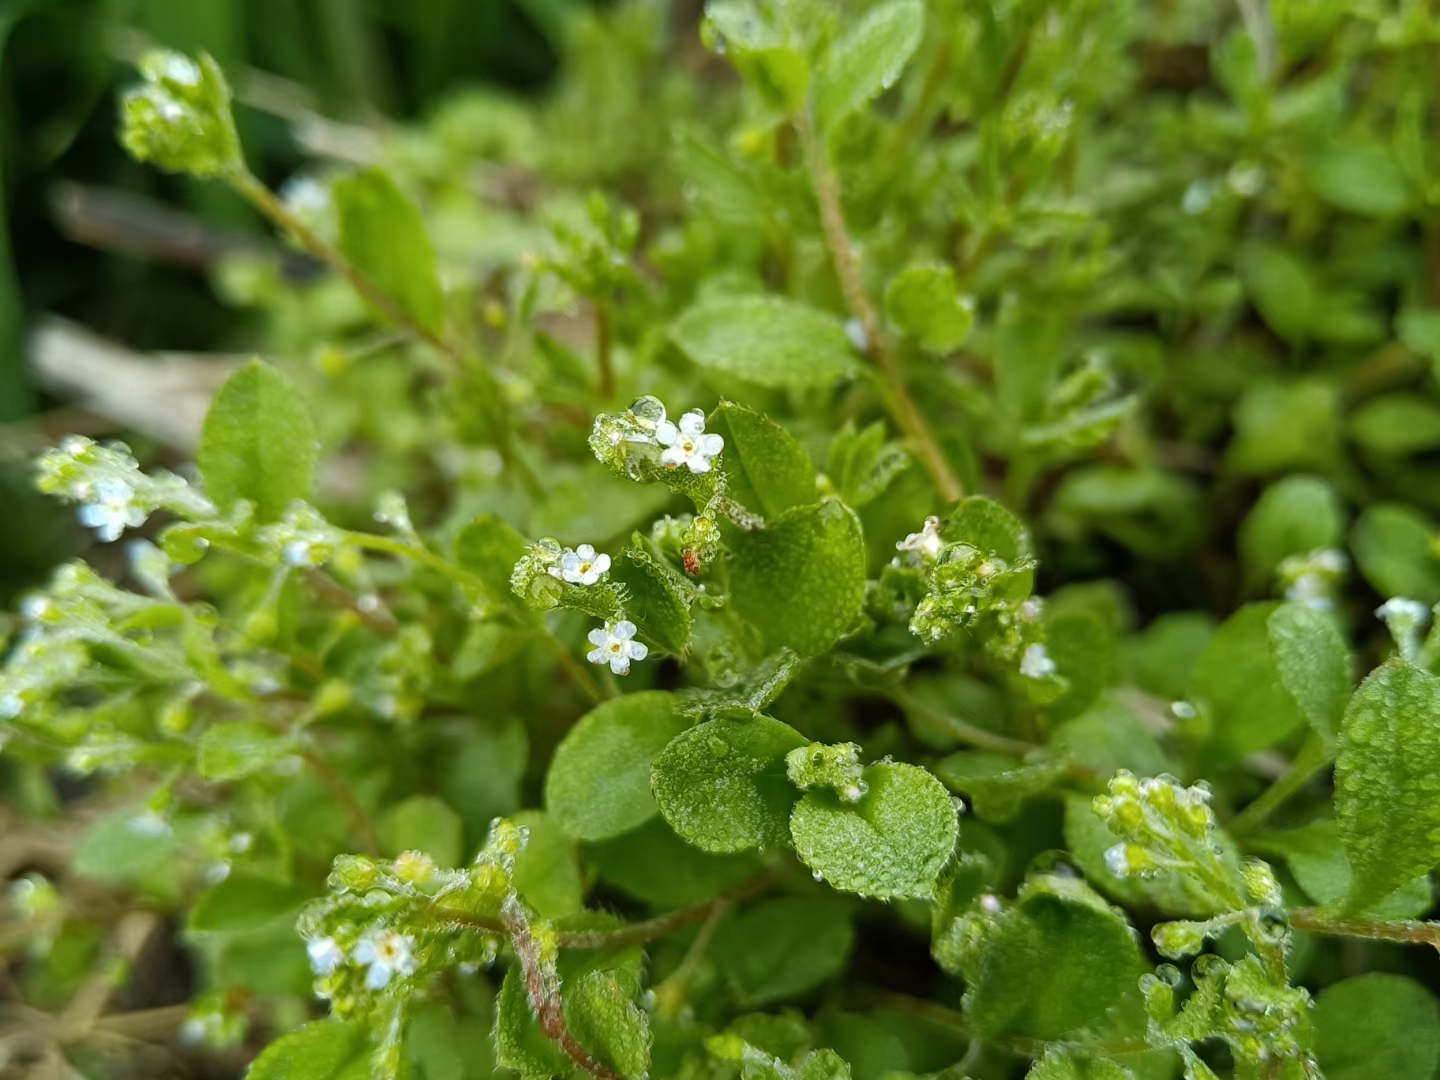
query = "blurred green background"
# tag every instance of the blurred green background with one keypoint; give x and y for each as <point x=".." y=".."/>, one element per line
<point x="69" y="248"/>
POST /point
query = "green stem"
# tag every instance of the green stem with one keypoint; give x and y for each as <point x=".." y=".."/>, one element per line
<point x="1404" y="931"/>
<point x="345" y="795"/>
<point x="1313" y="757"/>
<point x="473" y="583"/>
<point x="642" y="933"/>
<point x="966" y="733"/>
<point x="603" y="349"/>
<point x="841" y="248"/>
<point x="271" y="207"/>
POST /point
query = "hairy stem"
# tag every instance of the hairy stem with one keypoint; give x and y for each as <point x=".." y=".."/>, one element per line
<point x="542" y="987"/>
<point x="265" y="201"/>
<point x="642" y="933"/>
<point x="1404" y="931"/>
<point x="1313" y="757"/>
<point x="345" y="795"/>
<point x="898" y="401"/>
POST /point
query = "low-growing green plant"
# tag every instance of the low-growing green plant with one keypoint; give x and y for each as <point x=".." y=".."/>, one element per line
<point x="634" y="745"/>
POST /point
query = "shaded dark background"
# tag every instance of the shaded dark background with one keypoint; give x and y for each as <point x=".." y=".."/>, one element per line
<point x="62" y="63"/>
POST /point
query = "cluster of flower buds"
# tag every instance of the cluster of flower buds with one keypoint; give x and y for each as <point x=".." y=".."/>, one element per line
<point x="113" y="494"/>
<point x="387" y="925"/>
<point x="179" y="118"/>
<point x="1163" y="825"/>
<point x="836" y="767"/>
<point x="1406" y="620"/>
<point x="1265" y="1023"/>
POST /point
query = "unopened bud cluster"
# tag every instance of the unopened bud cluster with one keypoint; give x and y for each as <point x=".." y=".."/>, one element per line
<point x="179" y="118"/>
<point x="836" y="767"/>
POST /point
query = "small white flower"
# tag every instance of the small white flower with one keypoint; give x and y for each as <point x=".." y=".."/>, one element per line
<point x="386" y="954"/>
<point x="180" y="69"/>
<point x="325" y="955"/>
<point x="149" y="823"/>
<point x="855" y="331"/>
<point x="927" y="541"/>
<point x="582" y="566"/>
<point x="112" y="512"/>
<point x="1406" y="613"/>
<point x="1036" y="663"/>
<point x="688" y="444"/>
<point x="1117" y="860"/>
<point x="615" y="645"/>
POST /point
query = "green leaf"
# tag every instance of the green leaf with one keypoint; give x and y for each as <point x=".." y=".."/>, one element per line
<point x="258" y="443"/>
<point x="424" y="823"/>
<point x="996" y="785"/>
<point x="986" y="525"/>
<point x="1084" y="649"/>
<point x="1397" y="424"/>
<point x="1071" y="1065"/>
<point x="229" y="751"/>
<point x="599" y="780"/>
<point x="1385" y="777"/>
<point x="1313" y="660"/>
<point x="780" y="948"/>
<point x="1419" y="329"/>
<point x="766" y="340"/>
<point x="861" y="463"/>
<point x="519" y="1042"/>
<point x="1238" y="679"/>
<point x="1281" y="286"/>
<point x="1394" y="546"/>
<point x="1286" y="425"/>
<point x="126" y="846"/>
<point x="1294" y="516"/>
<point x="489" y="548"/>
<point x="601" y="1015"/>
<point x="1058" y="961"/>
<point x="1361" y="177"/>
<point x="768" y="471"/>
<point x="924" y="304"/>
<point x="1377" y="1027"/>
<point x="801" y="579"/>
<point x="749" y="695"/>
<point x="890" y="844"/>
<point x="1317" y="858"/>
<point x="244" y="902"/>
<point x="724" y="187"/>
<point x="652" y="864"/>
<point x="722" y="785"/>
<point x="384" y="237"/>
<point x="547" y="873"/>
<point x="319" y="1050"/>
<point x="653" y="598"/>
<point x="867" y="60"/>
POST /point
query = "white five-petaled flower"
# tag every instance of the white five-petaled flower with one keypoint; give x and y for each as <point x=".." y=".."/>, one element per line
<point x="385" y="953"/>
<point x="1036" y="663"/>
<point x="325" y="955"/>
<point x="615" y="645"/>
<point x="111" y="512"/>
<point x="927" y="541"/>
<point x="687" y="444"/>
<point x="582" y="566"/>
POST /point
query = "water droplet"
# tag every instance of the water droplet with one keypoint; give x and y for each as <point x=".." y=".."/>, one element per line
<point x="719" y="747"/>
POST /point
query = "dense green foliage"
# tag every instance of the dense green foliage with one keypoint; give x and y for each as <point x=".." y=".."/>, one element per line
<point x="897" y="544"/>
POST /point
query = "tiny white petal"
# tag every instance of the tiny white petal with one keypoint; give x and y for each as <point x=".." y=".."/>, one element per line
<point x="378" y="976"/>
<point x="597" y="656"/>
<point x="602" y="563"/>
<point x="698" y="464"/>
<point x="585" y="553"/>
<point x="639" y="650"/>
<point x="673" y="456"/>
<point x="666" y="433"/>
<point x="599" y="636"/>
<point x="620" y="665"/>
<point x="624" y="630"/>
<point x="693" y="422"/>
<point x="711" y="444"/>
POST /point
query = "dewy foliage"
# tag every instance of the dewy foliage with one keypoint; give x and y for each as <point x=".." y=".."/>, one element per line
<point x="628" y="743"/>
